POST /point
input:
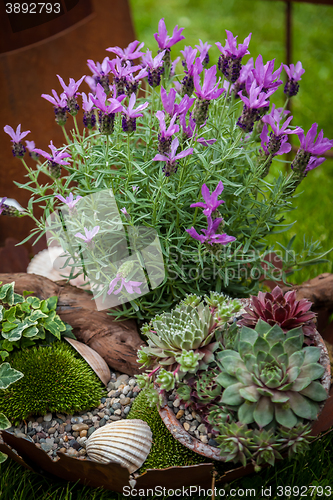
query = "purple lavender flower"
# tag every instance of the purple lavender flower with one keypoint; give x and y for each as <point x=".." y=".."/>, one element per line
<point x="124" y="211"/>
<point x="273" y="147"/>
<point x="70" y="92"/>
<point x="165" y="134"/>
<point x="210" y="235"/>
<point x="307" y="155"/>
<point x="133" y="81"/>
<point x="171" y="163"/>
<point x="30" y="146"/>
<point x="16" y="137"/>
<point x="55" y="160"/>
<point x="132" y="51"/>
<point x="89" y="117"/>
<point x="211" y="202"/>
<point x="277" y="137"/>
<point x="154" y="67"/>
<point x="60" y="106"/>
<point x="130" y="114"/>
<point x="69" y="201"/>
<point x="162" y="38"/>
<point x="107" y="109"/>
<point x="130" y="286"/>
<point x="203" y="51"/>
<point x="120" y="73"/>
<point x="205" y="94"/>
<point x="230" y="59"/>
<point x="169" y="105"/>
<point x="192" y="67"/>
<point x="100" y="74"/>
<point x="265" y="74"/>
<point x="89" y="235"/>
<point x="255" y="101"/>
<point x="294" y="75"/>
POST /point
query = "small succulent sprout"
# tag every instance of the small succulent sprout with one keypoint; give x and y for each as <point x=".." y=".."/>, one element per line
<point x="235" y="441"/>
<point x="166" y="380"/>
<point x="264" y="448"/>
<point x="188" y="361"/>
<point x="296" y="440"/>
<point x="219" y="415"/>
<point x="271" y="378"/>
<point x="143" y="380"/>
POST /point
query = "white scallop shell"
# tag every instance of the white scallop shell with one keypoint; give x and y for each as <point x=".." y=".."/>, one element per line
<point x="126" y="442"/>
<point x="94" y="360"/>
<point x="50" y="262"/>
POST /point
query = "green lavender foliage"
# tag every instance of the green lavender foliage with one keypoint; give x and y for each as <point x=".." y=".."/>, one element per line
<point x="56" y="379"/>
<point x="165" y="450"/>
<point x="254" y="208"/>
<point x="26" y="320"/>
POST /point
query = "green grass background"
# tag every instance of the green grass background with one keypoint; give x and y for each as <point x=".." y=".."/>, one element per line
<point x="312" y="44"/>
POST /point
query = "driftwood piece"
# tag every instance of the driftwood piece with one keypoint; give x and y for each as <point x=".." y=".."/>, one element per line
<point x="116" y="341"/>
<point x="319" y="290"/>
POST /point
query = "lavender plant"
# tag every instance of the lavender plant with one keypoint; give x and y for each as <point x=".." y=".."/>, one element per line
<point x="186" y="137"/>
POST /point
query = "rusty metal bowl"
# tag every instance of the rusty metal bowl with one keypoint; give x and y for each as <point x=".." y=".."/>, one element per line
<point x="213" y="453"/>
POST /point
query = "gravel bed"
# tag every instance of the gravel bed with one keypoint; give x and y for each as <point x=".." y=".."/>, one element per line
<point x="68" y="433"/>
<point x="191" y="421"/>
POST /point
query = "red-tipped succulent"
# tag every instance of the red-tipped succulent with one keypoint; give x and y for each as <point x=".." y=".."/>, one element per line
<point x="282" y="309"/>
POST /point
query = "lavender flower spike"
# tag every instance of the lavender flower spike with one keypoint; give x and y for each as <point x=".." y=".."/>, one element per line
<point x="31" y="146"/>
<point x="162" y="38"/>
<point x="211" y="202"/>
<point x="255" y="101"/>
<point x="60" y="106"/>
<point x="165" y="134"/>
<point x="265" y="74"/>
<point x="203" y="49"/>
<point x="108" y="108"/>
<point x="16" y="137"/>
<point x="171" y="163"/>
<point x="230" y="60"/>
<point x="210" y="235"/>
<point x="89" y="234"/>
<point x="70" y="91"/>
<point x="55" y="160"/>
<point x="307" y="156"/>
<point x="294" y="75"/>
<point x="89" y="118"/>
<point x="154" y="67"/>
<point x="100" y="74"/>
<point x="206" y="93"/>
<point x="130" y="114"/>
<point x="132" y="51"/>
<point x="130" y="286"/>
<point x="69" y="200"/>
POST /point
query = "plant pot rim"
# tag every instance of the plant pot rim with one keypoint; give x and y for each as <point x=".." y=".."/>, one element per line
<point x="213" y="453"/>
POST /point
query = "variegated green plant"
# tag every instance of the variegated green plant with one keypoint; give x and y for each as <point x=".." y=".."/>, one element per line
<point x="25" y="319"/>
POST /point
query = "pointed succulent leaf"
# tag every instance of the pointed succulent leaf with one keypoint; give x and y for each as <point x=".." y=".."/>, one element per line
<point x="312" y="354"/>
<point x="243" y="376"/>
<point x="244" y="348"/>
<point x="313" y="371"/>
<point x="300" y="384"/>
<point x="231" y="364"/>
<point x="273" y="383"/>
<point x="280" y="397"/>
<point x="283" y="359"/>
<point x="315" y="391"/>
<point x="248" y="335"/>
<point x="261" y="345"/>
<point x="303" y="407"/>
<point x="250" y="394"/>
<point x="276" y="350"/>
<point x="293" y="344"/>
<point x="295" y="332"/>
<point x="264" y="412"/>
<point x="296" y="359"/>
<point x="293" y="373"/>
<point x="231" y="395"/>
<point x="264" y="391"/>
<point x="262" y="328"/>
<point x="224" y="379"/>
<point x="285" y="417"/>
<point x="245" y="413"/>
<point x="274" y="335"/>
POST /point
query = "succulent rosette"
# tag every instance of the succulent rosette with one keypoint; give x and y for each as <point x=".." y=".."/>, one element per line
<point x="271" y="377"/>
<point x="280" y="309"/>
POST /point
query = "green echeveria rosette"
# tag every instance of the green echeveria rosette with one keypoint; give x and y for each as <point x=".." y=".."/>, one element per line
<point x="271" y="377"/>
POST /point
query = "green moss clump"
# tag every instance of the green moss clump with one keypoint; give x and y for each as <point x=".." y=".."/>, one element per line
<point x="56" y="379"/>
<point x="165" y="450"/>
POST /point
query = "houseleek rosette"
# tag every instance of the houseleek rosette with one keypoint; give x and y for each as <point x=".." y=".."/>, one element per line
<point x="271" y="378"/>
